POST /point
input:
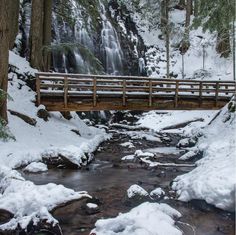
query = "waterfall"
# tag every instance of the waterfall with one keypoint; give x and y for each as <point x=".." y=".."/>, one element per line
<point x="110" y="46"/>
<point x="81" y="34"/>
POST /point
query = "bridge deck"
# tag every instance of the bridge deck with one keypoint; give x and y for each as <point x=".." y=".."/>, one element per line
<point x="75" y="92"/>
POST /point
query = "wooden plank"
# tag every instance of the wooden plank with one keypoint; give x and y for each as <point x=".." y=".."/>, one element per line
<point x="126" y="77"/>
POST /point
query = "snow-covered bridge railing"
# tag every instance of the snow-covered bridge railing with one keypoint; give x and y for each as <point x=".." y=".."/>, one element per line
<point x="77" y="92"/>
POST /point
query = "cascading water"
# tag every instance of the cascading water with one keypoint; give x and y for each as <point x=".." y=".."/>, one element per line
<point x="110" y="46"/>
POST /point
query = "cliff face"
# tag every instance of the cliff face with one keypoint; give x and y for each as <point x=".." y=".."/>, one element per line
<point x="91" y="36"/>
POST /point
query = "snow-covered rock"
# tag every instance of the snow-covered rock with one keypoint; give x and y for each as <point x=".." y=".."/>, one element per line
<point x="146" y="219"/>
<point x="214" y="178"/>
<point x="136" y="190"/>
<point x="29" y="202"/>
<point x="140" y="153"/>
<point x="158" y="192"/>
<point x="35" y="167"/>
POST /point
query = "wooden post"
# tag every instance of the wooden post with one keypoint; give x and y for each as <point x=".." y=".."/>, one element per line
<point x="124" y="92"/>
<point x="150" y="93"/>
<point x="176" y="93"/>
<point x="216" y="93"/>
<point x="65" y="92"/>
<point x="38" y="89"/>
<point x="94" y="91"/>
<point x="200" y="94"/>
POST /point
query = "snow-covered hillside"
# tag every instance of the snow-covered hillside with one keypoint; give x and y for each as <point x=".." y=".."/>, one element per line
<point x="214" y="178"/>
<point x="215" y="67"/>
<point x="44" y="139"/>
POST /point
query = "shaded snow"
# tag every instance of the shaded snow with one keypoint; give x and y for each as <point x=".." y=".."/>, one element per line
<point x="157" y="120"/>
<point x="214" y="179"/>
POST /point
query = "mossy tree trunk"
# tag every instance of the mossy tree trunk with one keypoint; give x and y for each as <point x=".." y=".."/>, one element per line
<point x="40" y="34"/>
<point x="4" y="55"/>
<point x="13" y="16"/>
<point x="36" y="34"/>
<point x="47" y="33"/>
<point x="185" y="44"/>
<point x="223" y="43"/>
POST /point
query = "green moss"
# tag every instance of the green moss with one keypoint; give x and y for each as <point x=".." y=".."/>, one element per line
<point x="91" y="10"/>
<point x="64" y="48"/>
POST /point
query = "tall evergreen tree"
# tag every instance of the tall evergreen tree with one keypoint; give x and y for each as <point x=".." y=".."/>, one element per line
<point x="13" y="17"/>
<point x="40" y="33"/>
<point x="217" y="15"/>
<point x="4" y="55"/>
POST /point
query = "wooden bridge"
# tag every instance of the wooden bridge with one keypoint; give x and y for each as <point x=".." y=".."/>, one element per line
<point x="76" y="92"/>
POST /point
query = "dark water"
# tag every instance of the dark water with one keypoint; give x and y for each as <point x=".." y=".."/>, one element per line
<point x="107" y="180"/>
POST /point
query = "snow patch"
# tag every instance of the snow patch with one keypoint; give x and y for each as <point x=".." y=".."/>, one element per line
<point x="146" y="219"/>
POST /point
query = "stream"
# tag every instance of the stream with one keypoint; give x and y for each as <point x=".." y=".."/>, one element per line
<point x="107" y="179"/>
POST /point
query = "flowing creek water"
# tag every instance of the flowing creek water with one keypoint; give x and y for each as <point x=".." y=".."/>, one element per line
<point x="107" y="179"/>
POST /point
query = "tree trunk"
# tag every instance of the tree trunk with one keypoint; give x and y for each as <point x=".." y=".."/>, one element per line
<point x="167" y="40"/>
<point x="181" y="4"/>
<point x="195" y="8"/>
<point x="36" y="34"/>
<point x="185" y="44"/>
<point x="47" y="33"/>
<point x="223" y="43"/>
<point x="4" y="45"/>
<point x="13" y="16"/>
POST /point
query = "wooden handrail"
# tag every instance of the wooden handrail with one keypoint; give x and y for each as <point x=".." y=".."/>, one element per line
<point x="92" y="90"/>
<point x="62" y="75"/>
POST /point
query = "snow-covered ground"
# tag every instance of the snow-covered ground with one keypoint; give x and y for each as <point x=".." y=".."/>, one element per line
<point x="45" y="139"/>
<point x="214" y="178"/>
<point x="158" y="120"/>
<point x="146" y="219"/>
<point x="29" y="202"/>
<point x="25" y="200"/>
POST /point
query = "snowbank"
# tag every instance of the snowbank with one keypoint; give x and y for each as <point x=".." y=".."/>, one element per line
<point x="29" y="202"/>
<point x="214" y="179"/>
<point x="46" y="139"/>
<point x="72" y="139"/>
<point x="157" y="120"/>
<point x="146" y="219"/>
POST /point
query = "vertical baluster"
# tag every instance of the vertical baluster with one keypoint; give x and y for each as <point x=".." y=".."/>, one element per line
<point x="94" y="91"/>
<point x="150" y="93"/>
<point x="176" y="93"/>
<point x="65" y="92"/>
<point x="216" y="93"/>
<point x="38" y="89"/>
<point x="124" y="92"/>
<point x="200" y="94"/>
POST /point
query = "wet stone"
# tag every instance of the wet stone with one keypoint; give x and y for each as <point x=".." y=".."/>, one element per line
<point x="5" y="216"/>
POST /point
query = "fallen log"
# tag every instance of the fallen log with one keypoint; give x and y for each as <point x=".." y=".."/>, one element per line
<point x="25" y="118"/>
<point x="182" y="124"/>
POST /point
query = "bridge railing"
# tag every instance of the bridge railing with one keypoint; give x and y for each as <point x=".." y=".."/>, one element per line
<point x="77" y="87"/>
